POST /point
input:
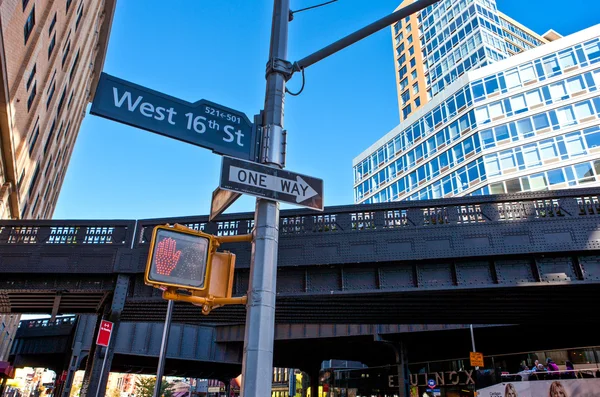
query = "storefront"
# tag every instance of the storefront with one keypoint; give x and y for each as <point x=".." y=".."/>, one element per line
<point x="505" y="375"/>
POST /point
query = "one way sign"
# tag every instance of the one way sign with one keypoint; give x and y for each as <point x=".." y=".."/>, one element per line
<point x="271" y="183"/>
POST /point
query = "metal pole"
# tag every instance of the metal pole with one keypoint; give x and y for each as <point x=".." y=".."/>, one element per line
<point x="291" y="382"/>
<point x="102" y="369"/>
<point x="163" y="349"/>
<point x="3" y="386"/>
<point x="257" y="364"/>
<point x="362" y="33"/>
<point x="473" y="342"/>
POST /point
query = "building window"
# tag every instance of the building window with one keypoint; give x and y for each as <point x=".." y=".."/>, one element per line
<point x="415" y="88"/>
<point x="417" y="102"/>
<point x="405" y="97"/>
<point x="406" y="111"/>
<point x="79" y="16"/>
<point x="34" y="139"/>
<point x="74" y="65"/>
<point x="66" y="53"/>
<point x="61" y="101"/>
<point x="410" y="39"/>
<point x="69" y="5"/>
<point x="31" y="96"/>
<point x="50" y="134"/>
<point x="52" y="45"/>
<point x="411" y="50"/>
<point x="35" y="204"/>
<point x="60" y="131"/>
<point x="25" y="2"/>
<point x="21" y="179"/>
<point x="31" y="76"/>
<point x="50" y="94"/>
<point x="70" y="100"/>
<point x="413" y="74"/>
<point x="402" y="72"/>
<point x="403" y="84"/>
<point x="52" y="24"/>
<point x="29" y="24"/>
<point x="413" y="63"/>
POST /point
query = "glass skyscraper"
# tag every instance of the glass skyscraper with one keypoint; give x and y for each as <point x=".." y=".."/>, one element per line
<point x="486" y="106"/>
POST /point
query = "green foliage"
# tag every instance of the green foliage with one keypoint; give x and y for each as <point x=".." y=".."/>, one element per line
<point x="144" y="387"/>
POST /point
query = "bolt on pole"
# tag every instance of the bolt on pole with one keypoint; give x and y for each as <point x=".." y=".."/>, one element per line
<point x="257" y="364"/>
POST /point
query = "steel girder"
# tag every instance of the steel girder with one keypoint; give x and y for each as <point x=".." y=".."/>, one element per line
<point x="383" y="263"/>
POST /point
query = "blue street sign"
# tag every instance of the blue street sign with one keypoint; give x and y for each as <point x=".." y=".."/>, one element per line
<point x="431" y="384"/>
<point x="203" y="123"/>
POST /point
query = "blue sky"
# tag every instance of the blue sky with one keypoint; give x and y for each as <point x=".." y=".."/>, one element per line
<point x="217" y="50"/>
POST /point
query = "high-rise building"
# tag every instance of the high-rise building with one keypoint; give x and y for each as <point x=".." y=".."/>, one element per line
<point x="436" y="46"/>
<point x="529" y="120"/>
<point x="51" y="54"/>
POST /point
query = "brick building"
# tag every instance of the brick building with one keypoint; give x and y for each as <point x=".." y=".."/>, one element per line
<point x="51" y="54"/>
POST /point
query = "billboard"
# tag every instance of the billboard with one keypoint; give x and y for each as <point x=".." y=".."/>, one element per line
<point x="543" y="388"/>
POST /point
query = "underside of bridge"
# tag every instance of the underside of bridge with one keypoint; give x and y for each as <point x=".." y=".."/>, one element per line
<point x="421" y="345"/>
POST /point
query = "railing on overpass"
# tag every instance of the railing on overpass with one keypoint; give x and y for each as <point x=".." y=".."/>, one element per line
<point x="48" y="322"/>
<point x="336" y="263"/>
<point x="45" y="327"/>
<point x="351" y="218"/>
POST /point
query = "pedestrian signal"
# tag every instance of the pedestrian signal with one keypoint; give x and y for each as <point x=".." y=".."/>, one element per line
<point x="179" y="257"/>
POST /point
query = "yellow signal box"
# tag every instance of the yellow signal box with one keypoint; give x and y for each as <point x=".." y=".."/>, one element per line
<point x="185" y="264"/>
<point x="180" y="258"/>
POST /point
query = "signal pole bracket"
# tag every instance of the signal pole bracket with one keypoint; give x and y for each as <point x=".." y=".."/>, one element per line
<point x="207" y="303"/>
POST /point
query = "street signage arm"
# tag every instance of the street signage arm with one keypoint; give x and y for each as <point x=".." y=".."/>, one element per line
<point x="289" y="69"/>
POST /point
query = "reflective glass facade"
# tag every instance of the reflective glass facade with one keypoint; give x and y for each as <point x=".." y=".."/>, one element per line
<point x="441" y="43"/>
<point x="529" y="122"/>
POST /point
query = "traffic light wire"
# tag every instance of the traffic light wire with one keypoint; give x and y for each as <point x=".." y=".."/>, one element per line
<point x="301" y="88"/>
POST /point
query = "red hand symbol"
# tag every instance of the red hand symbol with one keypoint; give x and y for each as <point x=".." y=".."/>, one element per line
<point x="166" y="256"/>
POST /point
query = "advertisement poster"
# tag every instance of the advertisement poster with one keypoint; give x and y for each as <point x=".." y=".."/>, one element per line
<point x="549" y="388"/>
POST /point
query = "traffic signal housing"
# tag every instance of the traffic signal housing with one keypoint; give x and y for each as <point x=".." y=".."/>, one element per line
<point x="180" y="258"/>
<point x="185" y="264"/>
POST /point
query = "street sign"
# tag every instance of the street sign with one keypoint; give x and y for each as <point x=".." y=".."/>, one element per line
<point x="104" y="333"/>
<point x="431" y="384"/>
<point x="271" y="183"/>
<point x="221" y="200"/>
<point x="476" y="359"/>
<point x="203" y="123"/>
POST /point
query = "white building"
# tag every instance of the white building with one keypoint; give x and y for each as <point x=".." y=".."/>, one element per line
<point x="530" y="121"/>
